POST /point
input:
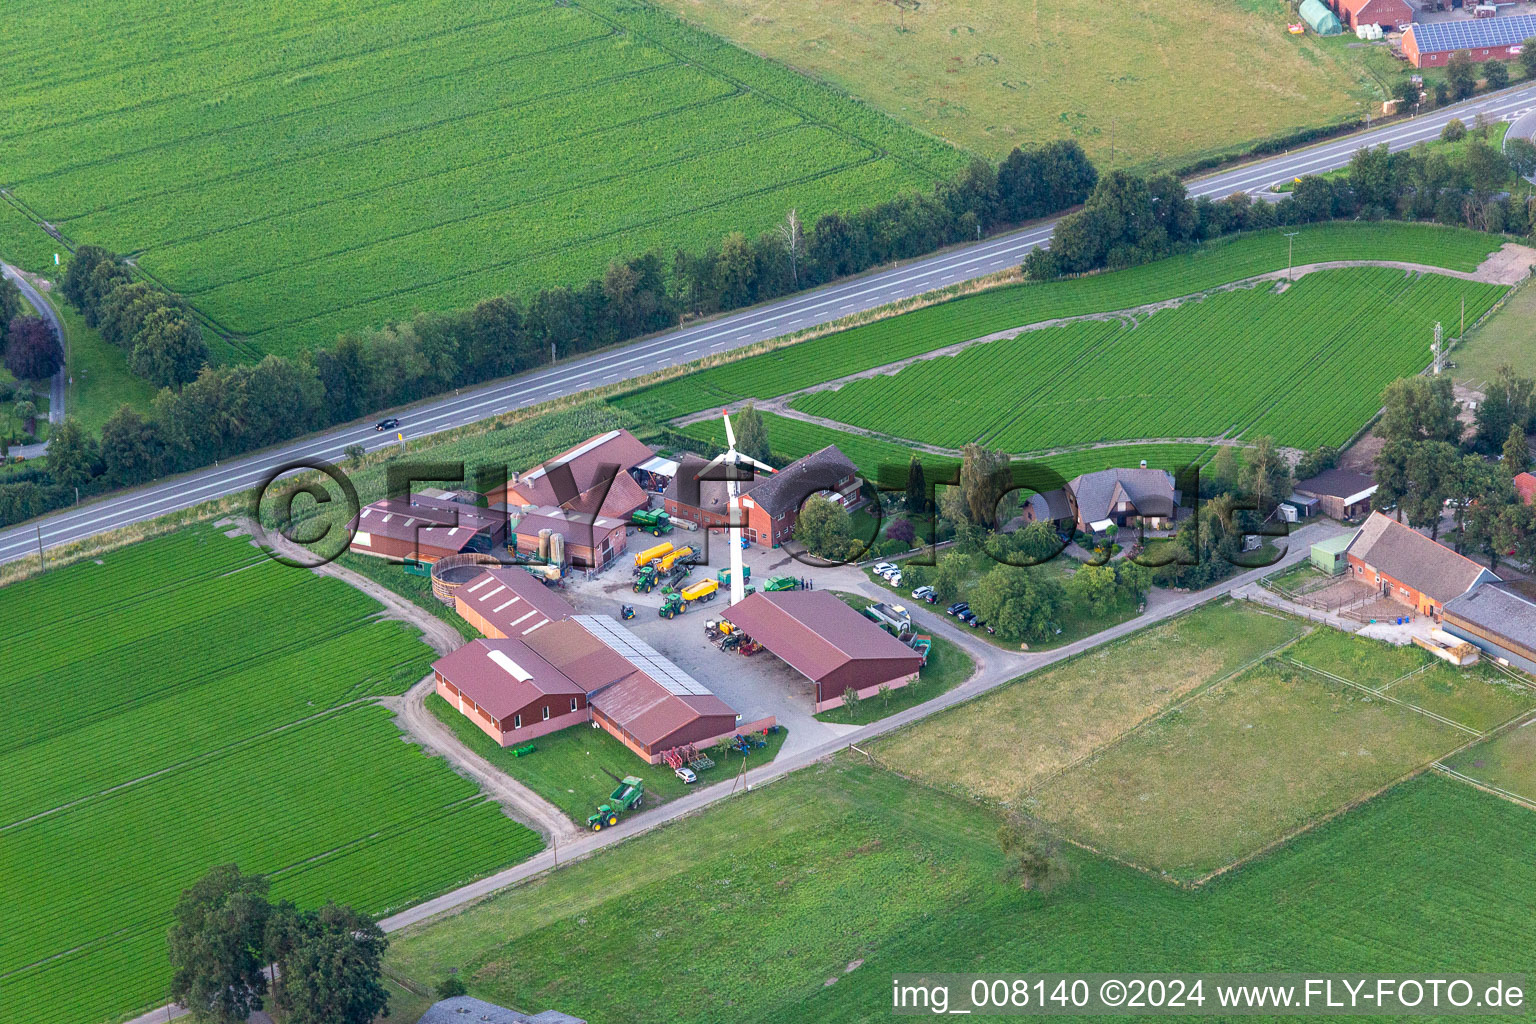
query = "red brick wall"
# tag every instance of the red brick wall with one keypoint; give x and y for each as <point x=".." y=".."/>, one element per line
<point x="534" y="725"/>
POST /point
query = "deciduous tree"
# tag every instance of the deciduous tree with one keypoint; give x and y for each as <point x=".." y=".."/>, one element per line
<point x="217" y="946"/>
<point x="32" y="350"/>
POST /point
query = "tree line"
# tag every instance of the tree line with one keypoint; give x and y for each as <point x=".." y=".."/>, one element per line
<point x="1130" y="219"/>
<point x="206" y="413"/>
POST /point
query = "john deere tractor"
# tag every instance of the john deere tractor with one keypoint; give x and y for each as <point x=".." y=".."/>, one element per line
<point x="629" y="795"/>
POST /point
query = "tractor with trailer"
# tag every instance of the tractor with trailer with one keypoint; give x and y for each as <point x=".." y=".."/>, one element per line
<point x="629" y="795"/>
<point x="671" y="558"/>
<point x="677" y="601"/>
<point x="654" y="522"/>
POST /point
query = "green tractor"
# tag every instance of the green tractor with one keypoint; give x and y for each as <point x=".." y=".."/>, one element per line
<point x="672" y="604"/>
<point x="629" y="795"/>
<point x="654" y="523"/>
<point x="645" y="579"/>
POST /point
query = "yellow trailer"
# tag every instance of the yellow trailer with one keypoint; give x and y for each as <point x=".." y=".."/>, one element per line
<point x="670" y="559"/>
<point x="651" y="554"/>
<point x="704" y="590"/>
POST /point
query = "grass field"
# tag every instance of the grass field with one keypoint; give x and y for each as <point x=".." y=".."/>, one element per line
<point x="1504" y="339"/>
<point x="186" y="702"/>
<point x="1507" y="762"/>
<point x="1241" y="765"/>
<point x="1305" y="366"/>
<point x="102" y="382"/>
<point x="331" y="166"/>
<point x="989" y="75"/>
<point x="725" y="915"/>
<point x="570" y="767"/>
<point x="860" y="348"/>
<point x="1005" y="744"/>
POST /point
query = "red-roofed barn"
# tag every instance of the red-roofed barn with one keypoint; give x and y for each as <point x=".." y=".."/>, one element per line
<point x="509" y="691"/>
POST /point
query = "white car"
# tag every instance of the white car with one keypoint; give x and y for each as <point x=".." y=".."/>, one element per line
<point x="881" y="568"/>
<point x="923" y="593"/>
<point x="687" y="775"/>
<point x="894" y="579"/>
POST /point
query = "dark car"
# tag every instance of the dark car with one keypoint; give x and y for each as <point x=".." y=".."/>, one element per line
<point x="957" y="608"/>
<point x="969" y="618"/>
<point x="389" y="424"/>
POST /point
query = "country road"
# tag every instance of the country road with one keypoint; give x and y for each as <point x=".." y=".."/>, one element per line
<point x="56" y="390"/>
<point x="805" y="310"/>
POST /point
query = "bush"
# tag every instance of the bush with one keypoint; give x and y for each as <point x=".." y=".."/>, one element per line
<point x="1454" y="131"/>
<point x="451" y="986"/>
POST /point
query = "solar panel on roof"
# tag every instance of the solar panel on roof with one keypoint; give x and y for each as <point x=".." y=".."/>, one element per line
<point x="643" y="656"/>
<point x="1474" y="34"/>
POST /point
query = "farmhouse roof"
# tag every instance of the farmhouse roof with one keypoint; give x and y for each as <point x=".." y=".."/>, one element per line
<point x="434" y="522"/>
<point x="686" y="488"/>
<point x="513" y="600"/>
<point x="502" y="676"/>
<point x="578" y="477"/>
<point x="1345" y="484"/>
<point x="1413" y="559"/>
<point x="787" y="489"/>
<point x="1499" y="609"/>
<point x="1049" y="506"/>
<point x="1525" y="486"/>
<point x="815" y="632"/>
<point x="1472" y="33"/>
<point x="578" y="527"/>
<point x="1150" y="492"/>
<point x="1383" y="12"/>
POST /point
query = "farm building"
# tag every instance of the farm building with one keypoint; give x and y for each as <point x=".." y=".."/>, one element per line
<point x="1499" y="619"/>
<point x="770" y="503"/>
<point x="509" y="601"/>
<point x="1391" y="15"/>
<point x="425" y="528"/>
<point x="1430" y="45"/>
<point x="464" y="1009"/>
<point x="826" y="641"/>
<point x="1408" y="567"/>
<point x="1319" y="18"/>
<point x="509" y="691"/>
<point x="591" y="542"/>
<point x="1124" y="497"/>
<point x="1340" y="493"/>
<point x="1054" y="507"/>
<point x="637" y="695"/>
<point x="1525" y="486"/>
<point x="596" y="477"/>
<point x="1330" y="555"/>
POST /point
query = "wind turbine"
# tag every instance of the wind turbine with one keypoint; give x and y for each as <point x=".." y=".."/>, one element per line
<point x="733" y="460"/>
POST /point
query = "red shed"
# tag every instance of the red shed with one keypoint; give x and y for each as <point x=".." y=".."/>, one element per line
<point x="509" y="690"/>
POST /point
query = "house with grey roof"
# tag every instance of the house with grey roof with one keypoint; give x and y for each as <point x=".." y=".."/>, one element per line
<point x="467" y="1009"/>
<point x="1403" y="564"/>
<point x="1499" y="619"/>
<point x="1124" y="497"/>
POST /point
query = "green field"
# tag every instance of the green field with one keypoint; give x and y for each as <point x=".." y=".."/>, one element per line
<point x="1508" y="339"/>
<point x="725" y="915"/>
<point x="1305" y="366"/>
<point x="100" y="381"/>
<point x="829" y="357"/>
<point x="570" y="767"/>
<point x="186" y="702"/>
<point x="1507" y="762"/>
<point x="1238" y="767"/>
<point x="989" y="75"/>
<point x="1006" y="743"/>
<point x="309" y="169"/>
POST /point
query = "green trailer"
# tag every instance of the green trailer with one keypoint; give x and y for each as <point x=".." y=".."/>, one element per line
<point x="723" y="577"/>
<point x="629" y="795"/>
<point x="652" y="522"/>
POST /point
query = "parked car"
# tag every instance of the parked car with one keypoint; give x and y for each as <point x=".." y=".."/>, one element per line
<point x="881" y="568"/>
<point x="894" y="579"/>
<point x="387" y="424"/>
<point x="687" y="775"/>
<point x="957" y="608"/>
<point x="923" y="593"/>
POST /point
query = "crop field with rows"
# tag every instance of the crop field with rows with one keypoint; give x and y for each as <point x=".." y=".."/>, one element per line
<point x="960" y="320"/>
<point x="187" y="702"/>
<point x="330" y="166"/>
<point x="1306" y="366"/>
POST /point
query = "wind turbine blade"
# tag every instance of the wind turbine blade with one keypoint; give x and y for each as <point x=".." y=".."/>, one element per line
<point x="730" y="435"/>
<point x="760" y="465"/>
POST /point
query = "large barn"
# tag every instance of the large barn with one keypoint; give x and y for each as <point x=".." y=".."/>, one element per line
<point x="770" y="503"/>
<point x="1430" y="44"/>
<point x="596" y="478"/>
<point x="828" y="642"/>
<point x="425" y="528"/>
<point x="508" y="601"/>
<point x="1408" y="567"/>
<point x="507" y="689"/>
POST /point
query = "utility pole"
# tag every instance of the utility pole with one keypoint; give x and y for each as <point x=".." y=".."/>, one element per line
<point x="1463" y="332"/>
<point x="551" y="353"/>
<point x="1438" y="349"/>
<point x="1290" y="248"/>
<point x="40" y="563"/>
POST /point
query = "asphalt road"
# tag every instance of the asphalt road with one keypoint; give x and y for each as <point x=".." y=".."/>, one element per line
<point x="56" y="385"/>
<point x="807" y="309"/>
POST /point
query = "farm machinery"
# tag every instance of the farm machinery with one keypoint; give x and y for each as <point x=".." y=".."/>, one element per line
<point x="677" y="601"/>
<point x="648" y="577"/>
<point x="652" y="522"/>
<point x="653" y="554"/>
<point x="723" y="577"/>
<point x="687" y="756"/>
<point x="629" y="795"/>
<point x="777" y="583"/>
<point x="728" y="637"/>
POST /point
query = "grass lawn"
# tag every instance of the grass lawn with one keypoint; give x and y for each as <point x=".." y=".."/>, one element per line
<point x="1480" y="697"/>
<point x="948" y="666"/>
<point x="725" y="915"/>
<point x="101" y="380"/>
<point x="1302" y="575"/>
<point x="987" y="76"/>
<point x="1506" y="338"/>
<point x="1507" y="762"/>
<point x="568" y="768"/>
<point x="1359" y="659"/>
<point x="1004" y="744"/>
<point x="1244" y="763"/>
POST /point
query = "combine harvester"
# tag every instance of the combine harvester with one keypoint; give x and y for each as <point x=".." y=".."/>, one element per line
<point x="654" y="523"/>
